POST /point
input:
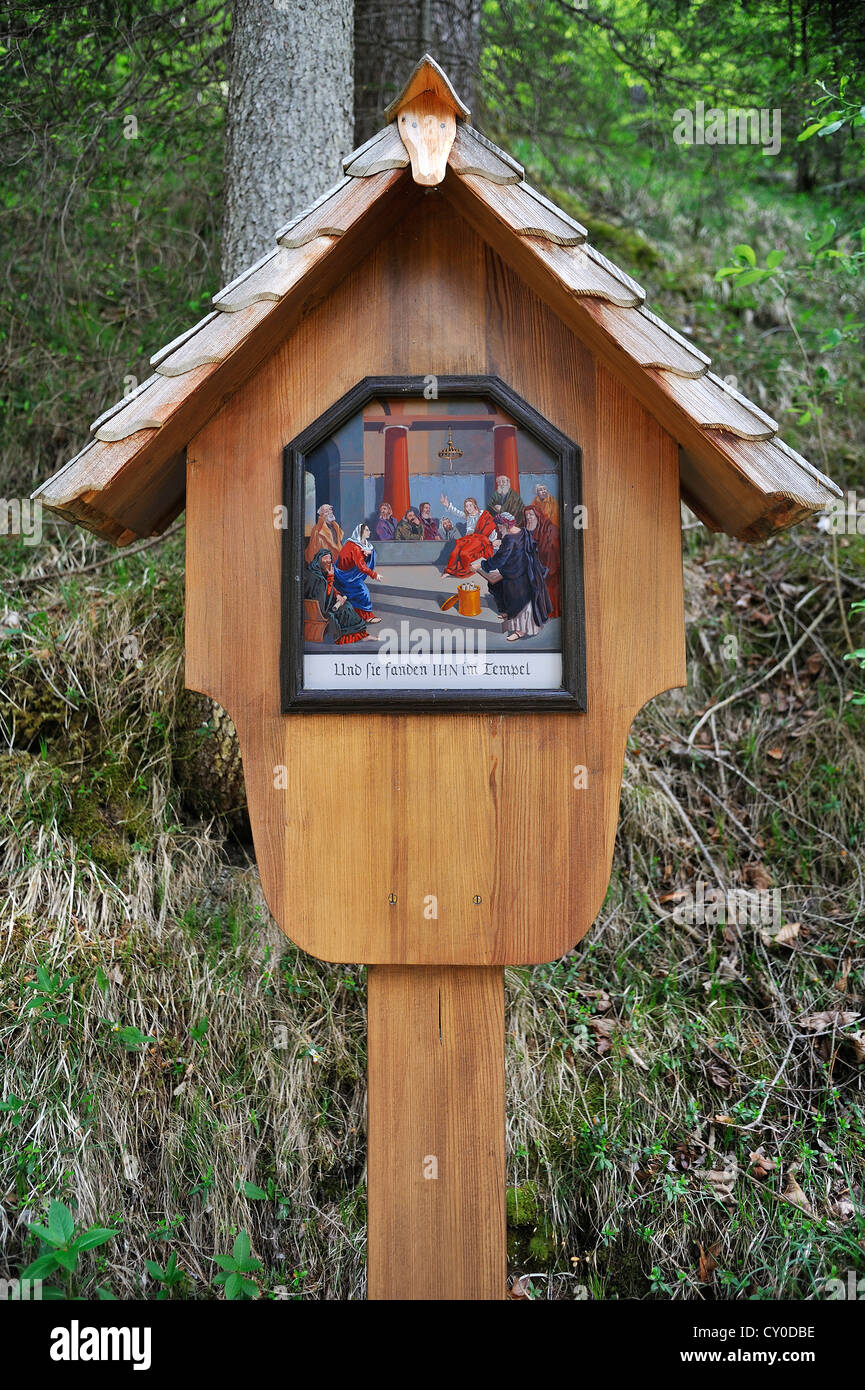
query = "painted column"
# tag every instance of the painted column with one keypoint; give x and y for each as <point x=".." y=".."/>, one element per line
<point x="505" y="454"/>
<point x="396" y="485"/>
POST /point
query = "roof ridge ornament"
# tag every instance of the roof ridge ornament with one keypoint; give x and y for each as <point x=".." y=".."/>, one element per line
<point x="426" y="114"/>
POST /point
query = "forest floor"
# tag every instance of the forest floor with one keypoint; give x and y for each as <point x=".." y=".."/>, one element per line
<point x="686" y="1112"/>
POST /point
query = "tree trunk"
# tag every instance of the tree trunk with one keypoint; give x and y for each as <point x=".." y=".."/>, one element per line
<point x="288" y="125"/>
<point x="388" y="41"/>
<point x="288" y="120"/>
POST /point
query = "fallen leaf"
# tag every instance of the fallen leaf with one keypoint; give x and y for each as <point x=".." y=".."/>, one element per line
<point x="721" y="1180"/>
<point x="856" y="1043"/>
<point x="781" y="936"/>
<point x="636" y="1058"/>
<point x="758" y="876"/>
<point x="830" y="1018"/>
<point x="603" y="1029"/>
<point x="761" y="1166"/>
<point x="843" y="1207"/>
<point x="796" y="1197"/>
<point x="719" y="1076"/>
<point x="776" y="753"/>
<point x="709" y="1262"/>
<point x="521" y="1287"/>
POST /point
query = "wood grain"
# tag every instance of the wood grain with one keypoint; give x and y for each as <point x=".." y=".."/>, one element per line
<point x="436" y="1105"/>
<point x="506" y="825"/>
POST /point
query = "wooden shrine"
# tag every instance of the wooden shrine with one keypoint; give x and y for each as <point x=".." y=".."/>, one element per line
<point x="433" y="336"/>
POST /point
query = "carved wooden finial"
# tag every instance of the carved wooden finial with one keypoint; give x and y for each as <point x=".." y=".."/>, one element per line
<point x="426" y="114"/>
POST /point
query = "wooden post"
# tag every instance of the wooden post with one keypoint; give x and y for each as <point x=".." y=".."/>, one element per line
<point x="436" y="1132"/>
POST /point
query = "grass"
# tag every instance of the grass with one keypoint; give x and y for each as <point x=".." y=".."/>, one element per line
<point x="185" y="1074"/>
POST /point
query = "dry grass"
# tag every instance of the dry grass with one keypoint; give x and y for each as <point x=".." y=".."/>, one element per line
<point x="644" y="1068"/>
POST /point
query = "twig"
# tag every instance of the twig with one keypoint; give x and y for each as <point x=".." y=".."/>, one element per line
<point x="748" y="689"/>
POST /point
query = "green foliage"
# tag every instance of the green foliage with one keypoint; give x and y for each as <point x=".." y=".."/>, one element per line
<point x="172" y="1278"/>
<point x="236" y="1267"/>
<point x="62" y="1244"/>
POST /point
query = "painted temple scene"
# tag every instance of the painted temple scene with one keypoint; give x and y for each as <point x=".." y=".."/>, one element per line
<point x="432" y="527"/>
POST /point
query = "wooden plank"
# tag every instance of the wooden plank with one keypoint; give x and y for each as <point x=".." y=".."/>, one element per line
<point x="711" y="407"/>
<point x="384" y="150"/>
<point x="436" y="1133"/>
<point x="472" y="153"/>
<point x="334" y="215"/>
<point x="538" y="864"/>
<point x="646" y="340"/>
<point x="527" y="215"/>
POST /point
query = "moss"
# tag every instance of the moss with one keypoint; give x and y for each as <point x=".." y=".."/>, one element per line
<point x="522" y="1205"/>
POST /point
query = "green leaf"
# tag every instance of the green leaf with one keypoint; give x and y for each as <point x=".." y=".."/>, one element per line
<point x="225" y="1262"/>
<point x="132" y="1038"/>
<point x="41" y="1267"/>
<point x="829" y="129"/>
<point x="40" y="1231"/>
<point x="97" y="1235"/>
<point x="61" y="1223"/>
<point x="67" y="1259"/>
<point x="241" y="1249"/>
<point x="750" y="277"/>
<point x="154" y="1270"/>
<point x="745" y="252"/>
<point x="775" y="258"/>
<point x="809" y="131"/>
<point x="255" y="1194"/>
<point x="249" y="1288"/>
<point x="233" y="1286"/>
<point x="102" y="979"/>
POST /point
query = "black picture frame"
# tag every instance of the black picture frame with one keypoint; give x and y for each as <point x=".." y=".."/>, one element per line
<point x="572" y="694"/>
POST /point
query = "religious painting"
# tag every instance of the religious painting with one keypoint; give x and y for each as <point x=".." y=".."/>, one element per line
<point x="432" y="552"/>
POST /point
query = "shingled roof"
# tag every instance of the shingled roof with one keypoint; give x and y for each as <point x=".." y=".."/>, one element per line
<point x="736" y="473"/>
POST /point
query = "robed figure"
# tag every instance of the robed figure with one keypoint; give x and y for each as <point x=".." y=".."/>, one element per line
<point x="517" y="582"/>
<point x="326" y="534"/>
<point x="546" y="537"/>
<point x="477" y="545"/>
<point x="507" y="500"/>
<point x="356" y="564"/>
<point x="410" y="528"/>
<point x="344" y="623"/>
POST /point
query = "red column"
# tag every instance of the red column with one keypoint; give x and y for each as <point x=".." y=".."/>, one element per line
<point x="505" y="454"/>
<point x="396" y="489"/>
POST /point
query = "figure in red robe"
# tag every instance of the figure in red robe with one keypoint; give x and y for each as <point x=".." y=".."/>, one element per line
<point x="477" y="545"/>
<point x="546" y="537"/>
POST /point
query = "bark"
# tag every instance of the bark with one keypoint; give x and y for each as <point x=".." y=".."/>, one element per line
<point x="390" y="38"/>
<point x="288" y="119"/>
